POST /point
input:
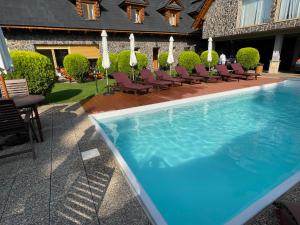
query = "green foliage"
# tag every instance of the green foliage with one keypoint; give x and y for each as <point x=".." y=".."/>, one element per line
<point x="162" y="59"/>
<point x="214" y="56"/>
<point x="113" y="64"/>
<point x="124" y="58"/>
<point x="77" y="66"/>
<point x="248" y="57"/>
<point x="189" y="59"/>
<point x="37" y="69"/>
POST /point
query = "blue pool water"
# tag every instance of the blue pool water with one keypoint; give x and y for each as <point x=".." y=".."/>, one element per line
<point x="205" y="162"/>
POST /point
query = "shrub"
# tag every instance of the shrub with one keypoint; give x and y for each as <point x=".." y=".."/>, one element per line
<point x="113" y="64"/>
<point x="162" y="59"/>
<point x="77" y="66"/>
<point x="248" y="57"/>
<point x="37" y="69"/>
<point x="189" y="59"/>
<point x="124" y="58"/>
<point x="214" y="56"/>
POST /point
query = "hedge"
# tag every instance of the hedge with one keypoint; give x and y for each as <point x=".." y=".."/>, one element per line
<point x="77" y="66"/>
<point x="248" y="57"/>
<point x="124" y="58"/>
<point x="189" y="59"/>
<point x="37" y="69"/>
<point x="113" y="64"/>
<point x="214" y="56"/>
<point x="162" y="59"/>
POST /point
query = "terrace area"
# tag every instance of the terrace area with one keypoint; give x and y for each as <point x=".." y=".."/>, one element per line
<point x="59" y="187"/>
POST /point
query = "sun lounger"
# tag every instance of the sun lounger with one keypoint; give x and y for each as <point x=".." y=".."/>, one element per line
<point x="126" y="84"/>
<point x="224" y="73"/>
<point x="163" y="75"/>
<point x="288" y="213"/>
<point x="184" y="74"/>
<point x="148" y="78"/>
<point x="202" y="72"/>
<point x="238" y="69"/>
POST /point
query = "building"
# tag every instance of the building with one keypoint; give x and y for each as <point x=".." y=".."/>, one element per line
<point x="59" y="27"/>
<point x="272" y="26"/>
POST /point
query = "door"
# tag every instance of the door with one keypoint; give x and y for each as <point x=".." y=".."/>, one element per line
<point x="155" y="58"/>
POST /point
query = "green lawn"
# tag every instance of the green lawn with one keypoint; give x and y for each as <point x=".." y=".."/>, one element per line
<point x="75" y="92"/>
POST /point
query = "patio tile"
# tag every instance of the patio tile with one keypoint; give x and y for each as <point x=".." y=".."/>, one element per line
<point x="72" y="210"/>
<point x="69" y="184"/>
<point x="40" y="217"/>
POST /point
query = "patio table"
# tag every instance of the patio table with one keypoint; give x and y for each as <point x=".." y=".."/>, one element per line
<point x="31" y="101"/>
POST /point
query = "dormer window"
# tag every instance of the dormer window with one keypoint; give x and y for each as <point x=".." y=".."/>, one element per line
<point x="135" y="9"/>
<point x="88" y="11"/>
<point x="171" y="10"/>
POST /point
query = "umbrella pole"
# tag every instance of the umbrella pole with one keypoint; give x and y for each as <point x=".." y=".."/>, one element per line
<point x="170" y="70"/>
<point x="132" y="73"/>
<point x="107" y="93"/>
<point x="3" y="85"/>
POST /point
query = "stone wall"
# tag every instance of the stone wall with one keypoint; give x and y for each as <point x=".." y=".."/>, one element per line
<point x="24" y="40"/>
<point x="222" y="21"/>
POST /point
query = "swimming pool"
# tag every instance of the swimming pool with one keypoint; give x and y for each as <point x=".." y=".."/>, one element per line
<point x="206" y="160"/>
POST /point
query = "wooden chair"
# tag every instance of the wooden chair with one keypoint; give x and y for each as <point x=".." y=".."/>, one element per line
<point x="11" y="122"/>
<point x="16" y="87"/>
<point x="19" y="88"/>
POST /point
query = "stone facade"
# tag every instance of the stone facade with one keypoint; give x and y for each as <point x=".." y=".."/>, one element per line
<point x="23" y="40"/>
<point x="223" y="20"/>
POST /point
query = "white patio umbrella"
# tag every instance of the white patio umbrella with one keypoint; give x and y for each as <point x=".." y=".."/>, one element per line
<point x="6" y="64"/>
<point x="170" y="59"/>
<point x="209" y="56"/>
<point x="105" y="57"/>
<point x="133" y="60"/>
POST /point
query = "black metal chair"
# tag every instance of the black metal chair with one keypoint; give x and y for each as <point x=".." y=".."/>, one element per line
<point x="11" y="122"/>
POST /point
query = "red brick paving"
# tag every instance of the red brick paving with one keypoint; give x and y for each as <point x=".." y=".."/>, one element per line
<point x="120" y="100"/>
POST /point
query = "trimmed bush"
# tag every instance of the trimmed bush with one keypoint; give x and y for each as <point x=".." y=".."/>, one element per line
<point x="162" y="59"/>
<point x="77" y="66"/>
<point x="124" y="58"/>
<point x="248" y="57"/>
<point x="214" y="56"/>
<point x="37" y="69"/>
<point x="113" y="64"/>
<point x="189" y="59"/>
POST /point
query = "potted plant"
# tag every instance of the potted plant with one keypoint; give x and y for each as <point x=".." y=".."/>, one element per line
<point x="259" y="68"/>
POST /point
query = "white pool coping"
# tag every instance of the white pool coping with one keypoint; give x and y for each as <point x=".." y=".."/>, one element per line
<point x="149" y="207"/>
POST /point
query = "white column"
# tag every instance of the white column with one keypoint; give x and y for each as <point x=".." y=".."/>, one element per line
<point x="275" y="61"/>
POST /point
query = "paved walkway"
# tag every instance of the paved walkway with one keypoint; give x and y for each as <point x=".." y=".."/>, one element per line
<point x="59" y="188"/>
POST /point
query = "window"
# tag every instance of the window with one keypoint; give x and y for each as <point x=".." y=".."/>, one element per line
<point x="255" y="12"/>
<point x="172" y="19"/>
<point x="289" y="9"/>
<point x="88" y="11"/>
<point x="137" y="16"/>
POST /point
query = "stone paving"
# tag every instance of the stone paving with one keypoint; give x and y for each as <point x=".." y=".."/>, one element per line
<point x="59" y="188"/>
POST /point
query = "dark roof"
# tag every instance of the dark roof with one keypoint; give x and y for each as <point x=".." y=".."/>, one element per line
<point x="137" y="2"/>
<point x="195" y="6"/>
<point x="169" y="4"/>
<point x="62" y="14"/>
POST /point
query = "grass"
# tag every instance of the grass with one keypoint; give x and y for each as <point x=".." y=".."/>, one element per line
<point x="75" y="92"/>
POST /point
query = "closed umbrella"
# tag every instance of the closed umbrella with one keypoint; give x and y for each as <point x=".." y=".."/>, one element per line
<point x="170" y="59"/>
<point x="209" y="56"/>
<point x="133" y="60"/>
<point x="105" y="58"/>
<point x="6" y="64"/>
